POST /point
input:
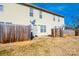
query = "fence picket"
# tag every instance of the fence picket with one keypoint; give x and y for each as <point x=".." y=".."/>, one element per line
<point x="12" y="32"/>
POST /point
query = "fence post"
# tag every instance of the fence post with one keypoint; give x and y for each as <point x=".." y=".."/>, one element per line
<point x="76" y="32"/>
<point x="61" y="32"/>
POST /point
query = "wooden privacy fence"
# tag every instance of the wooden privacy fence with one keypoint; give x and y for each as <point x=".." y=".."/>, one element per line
<point x="57" y="32"/>
<point x="76" y="32"/>
<point x="12" y="32"/>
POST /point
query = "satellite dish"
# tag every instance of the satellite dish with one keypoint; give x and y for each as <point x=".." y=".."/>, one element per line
<point x="33" y="22"/>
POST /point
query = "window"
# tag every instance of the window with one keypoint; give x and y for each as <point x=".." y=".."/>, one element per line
<point x="1" y="7"/>
<point x="40" y="14"/>
<point x="43" y="28"/>
<point x="58" y="19"/>
<point x="1" y="22"/>
<point x="8" y="23"/>
<point x="31" y="11"/>
<point x="54" y="18"/>
<point x="5" y="23"/>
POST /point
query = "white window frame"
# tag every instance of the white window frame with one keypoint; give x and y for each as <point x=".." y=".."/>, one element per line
<point x="43" y="28"/>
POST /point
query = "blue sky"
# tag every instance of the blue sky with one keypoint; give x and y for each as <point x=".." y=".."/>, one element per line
<point x="69" y="10"/>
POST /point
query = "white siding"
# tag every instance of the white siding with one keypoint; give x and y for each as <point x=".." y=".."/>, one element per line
<point x="47" y="19"/>
<point x="14" y="13"/>
<point x="19" y="14"/>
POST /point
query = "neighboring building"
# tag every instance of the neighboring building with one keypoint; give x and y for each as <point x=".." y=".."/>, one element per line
<point x="41" y="20"/>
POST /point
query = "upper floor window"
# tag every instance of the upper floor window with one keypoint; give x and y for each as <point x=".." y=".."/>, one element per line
<point x="1" y="22"/>
<point x="1" y="7"/>
<point x="43" y="28"/>
<point x="53" y="18"/>
<point x="40" y="14"/>
<point x="5" y="23"/>
<point x="31" y="11"/>
<point x="58" y="19"/>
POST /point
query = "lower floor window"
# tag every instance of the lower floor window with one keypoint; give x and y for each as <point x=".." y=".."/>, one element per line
<point x="43" y="28"/>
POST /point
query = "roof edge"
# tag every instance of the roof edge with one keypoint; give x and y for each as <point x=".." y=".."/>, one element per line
<point x="36" y="7"/>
